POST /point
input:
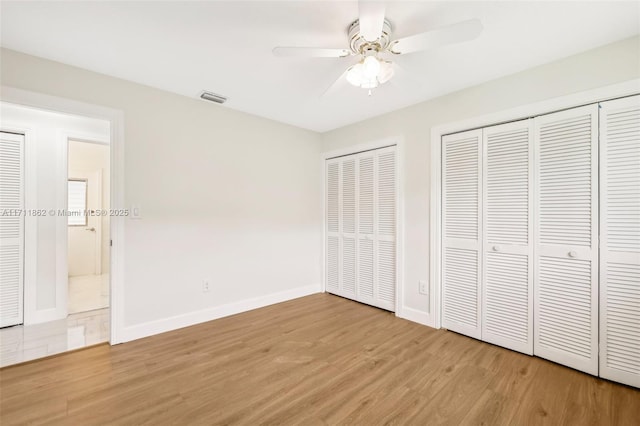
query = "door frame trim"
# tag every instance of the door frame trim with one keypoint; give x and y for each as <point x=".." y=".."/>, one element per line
<point x="117" y="141"/>
<point x="627" y="88"/>
<point x="398" y="142"/>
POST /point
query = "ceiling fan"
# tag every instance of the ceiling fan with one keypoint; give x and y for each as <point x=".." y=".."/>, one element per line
<point x="370" y="39"/>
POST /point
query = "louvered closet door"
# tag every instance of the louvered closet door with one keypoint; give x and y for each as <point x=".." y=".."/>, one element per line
<point x="11" y="228"/>
<point x="332" y="223"/>
<point x="620" y="240"/>
<point x="386" y="228"/>
<point x="461" y="208"/>
<point x="566" y="264"/>
<point x="348" y="228"/>
<point x="507" y="290"/>
<point x="366" y="228"/>
<point x="361" y="227"/>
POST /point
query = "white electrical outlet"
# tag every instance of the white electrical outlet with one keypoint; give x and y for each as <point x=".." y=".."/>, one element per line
<point x="205" y="286"/>
<point x="423" y="287"/>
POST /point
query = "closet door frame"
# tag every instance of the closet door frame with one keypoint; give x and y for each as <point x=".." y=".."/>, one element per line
<point x="398" y="142"/>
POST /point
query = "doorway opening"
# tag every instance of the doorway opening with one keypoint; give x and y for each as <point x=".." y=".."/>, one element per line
<point x="60" y="270"/>
<point x="88" y="240"/>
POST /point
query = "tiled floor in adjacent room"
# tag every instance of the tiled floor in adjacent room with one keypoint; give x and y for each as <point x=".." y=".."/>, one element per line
<point x="88" y="293"/>
<point x="24" y="343"/>
<point x="86" y="325"/>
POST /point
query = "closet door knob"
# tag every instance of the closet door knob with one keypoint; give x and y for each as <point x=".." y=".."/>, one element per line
<point x="572" y="253"/>
<point x="496" y="248"/>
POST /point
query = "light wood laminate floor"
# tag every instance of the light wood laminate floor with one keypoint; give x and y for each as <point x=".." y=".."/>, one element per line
<point x="319" y="359"/>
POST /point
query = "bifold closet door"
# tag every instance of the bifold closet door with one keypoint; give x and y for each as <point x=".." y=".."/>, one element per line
<point x="361" y="227"/>
<point x="11" y="228"/>
<point x="340" y="227"/>
<point x="366" y="227"/>
<point x="348" y="227"/>
<point x="620" y="240"/>
<point x="507" y="285"/>
<point x="332" y="224"/>
<point x="566" y="238"/>
<point x="385" y="220"/>
<point x="461" y="210"/>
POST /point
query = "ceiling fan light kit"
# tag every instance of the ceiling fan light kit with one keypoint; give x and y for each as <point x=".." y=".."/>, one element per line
<point x="370" y="72"/>
<point x="370" y="38"/>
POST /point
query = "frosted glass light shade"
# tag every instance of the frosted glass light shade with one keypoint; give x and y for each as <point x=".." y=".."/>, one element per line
<point x="370" y="73"/>
<point x="354" y="74"/>
<point x="370" y="67"/>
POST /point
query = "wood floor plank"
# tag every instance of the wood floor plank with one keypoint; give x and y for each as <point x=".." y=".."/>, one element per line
<point x="316" y="360"/>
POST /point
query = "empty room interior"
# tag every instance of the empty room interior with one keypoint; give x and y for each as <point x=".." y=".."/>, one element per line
<point x="320" y="212"/>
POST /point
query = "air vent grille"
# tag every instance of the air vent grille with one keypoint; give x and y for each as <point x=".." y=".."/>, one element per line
<point x="213" y="97"/>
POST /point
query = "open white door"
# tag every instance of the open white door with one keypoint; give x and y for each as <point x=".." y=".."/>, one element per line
<point x="85" y="231"/>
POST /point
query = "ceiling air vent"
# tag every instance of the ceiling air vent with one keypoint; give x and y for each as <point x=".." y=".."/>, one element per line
<point x="213" y="97"/>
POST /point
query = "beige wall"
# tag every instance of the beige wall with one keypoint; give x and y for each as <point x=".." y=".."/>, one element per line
<point x="596" y="68"/>
<point x="225" y="196"/>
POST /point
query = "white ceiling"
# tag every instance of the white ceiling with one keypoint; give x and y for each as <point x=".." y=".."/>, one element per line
<point x="226" y="47"/>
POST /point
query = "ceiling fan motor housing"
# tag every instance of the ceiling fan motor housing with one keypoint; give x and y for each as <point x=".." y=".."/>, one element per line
<point x="360" y="46"/>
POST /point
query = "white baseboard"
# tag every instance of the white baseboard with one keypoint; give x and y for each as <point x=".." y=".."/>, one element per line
<point x="416" y="316"/>
<point x="185" y="320"/>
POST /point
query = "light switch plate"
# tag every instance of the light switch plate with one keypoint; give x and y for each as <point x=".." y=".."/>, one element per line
<point x="135" y="212"/>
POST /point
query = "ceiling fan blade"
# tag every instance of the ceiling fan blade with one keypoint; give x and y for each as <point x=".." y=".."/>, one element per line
<point x="371" y="19"/>
<point x="456" y="33"/>
<point x="404" y="80"/>
<point x="340" y="83"/>
<point x="311" y="52"/>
